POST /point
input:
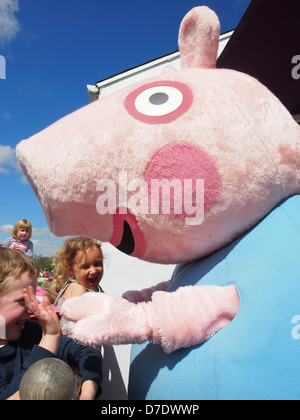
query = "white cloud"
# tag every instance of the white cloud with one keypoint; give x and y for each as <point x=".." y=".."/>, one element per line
<point x="6" y="228"/>
<point x="24" y="180"/>
<point x="9" y="25"/>
<point x="4" y="171"/>
<point x="40" y="233"/>
<point x="45" y="247"/>
<point x="44" y="242"/>
<point x="8" y="159"/>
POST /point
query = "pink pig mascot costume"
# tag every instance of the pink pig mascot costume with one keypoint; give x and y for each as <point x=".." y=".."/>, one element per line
<point x="222" y="328"/>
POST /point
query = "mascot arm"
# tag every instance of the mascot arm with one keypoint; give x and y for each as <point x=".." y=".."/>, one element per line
<point x="184" y="318"/>
<point x="145" y="295"/>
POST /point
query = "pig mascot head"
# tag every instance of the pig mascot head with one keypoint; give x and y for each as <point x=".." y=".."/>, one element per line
<point x="200" y="167"/>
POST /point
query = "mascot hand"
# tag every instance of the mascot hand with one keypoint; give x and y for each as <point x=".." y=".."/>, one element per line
<point x="184" y="318"/>
<point x="106" y="319"/>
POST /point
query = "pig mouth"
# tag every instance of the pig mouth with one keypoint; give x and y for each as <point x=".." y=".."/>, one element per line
<point x="127" y="244"/>
<point x="127" y="236"/>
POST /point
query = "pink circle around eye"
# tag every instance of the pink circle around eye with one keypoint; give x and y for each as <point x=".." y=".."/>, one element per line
<point x="186" y="92"/>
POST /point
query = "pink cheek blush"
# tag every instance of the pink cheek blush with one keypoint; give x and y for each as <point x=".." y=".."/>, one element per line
<point x="182" y="164"/>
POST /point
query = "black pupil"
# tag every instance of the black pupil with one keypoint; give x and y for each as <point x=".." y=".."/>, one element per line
<point x="159" y="98"/>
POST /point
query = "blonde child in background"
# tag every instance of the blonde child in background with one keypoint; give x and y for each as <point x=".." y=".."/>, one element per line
<point x="20" y="238"/>
<point x="79" y="269"/>
<point x="24" y="342"/>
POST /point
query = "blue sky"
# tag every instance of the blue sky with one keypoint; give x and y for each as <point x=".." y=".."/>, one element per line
<point x="52" y="50"/>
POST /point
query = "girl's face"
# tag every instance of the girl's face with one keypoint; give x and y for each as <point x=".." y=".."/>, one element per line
<point x="13" y="313"/>
<point x="87" y="268"/>
<point x="22" y="234"/>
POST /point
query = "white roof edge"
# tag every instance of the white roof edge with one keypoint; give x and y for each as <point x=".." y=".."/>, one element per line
<point x="139" y="69"/>
<point x="95" y="90"/>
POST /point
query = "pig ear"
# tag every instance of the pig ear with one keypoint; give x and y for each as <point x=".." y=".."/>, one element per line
<point x="198" y="40"/>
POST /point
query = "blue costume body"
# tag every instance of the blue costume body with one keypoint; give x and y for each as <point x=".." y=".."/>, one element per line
<point x="256" y="355"/>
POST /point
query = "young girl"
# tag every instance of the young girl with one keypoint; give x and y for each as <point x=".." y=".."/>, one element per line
<point x="20" y="238"/>
<point x="79" y="269"/>
<point x="23" y="342"/>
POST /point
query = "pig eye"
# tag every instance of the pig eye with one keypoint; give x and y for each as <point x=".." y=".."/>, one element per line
<point x="158" y="103"/>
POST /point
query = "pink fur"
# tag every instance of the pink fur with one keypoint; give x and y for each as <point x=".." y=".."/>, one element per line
<point x="243" y="147"/>
<point x="169" y="163"/>
<point x="193" y="314"/>
<point x="237" y="136"/>
<point x="185" y="318"/>
<point x="198" y="38"/>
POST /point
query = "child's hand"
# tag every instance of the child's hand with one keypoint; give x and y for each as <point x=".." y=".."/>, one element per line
<point x="88" y="390"/>
<point x="46" y="317"/>
<point x="15" y="247"/>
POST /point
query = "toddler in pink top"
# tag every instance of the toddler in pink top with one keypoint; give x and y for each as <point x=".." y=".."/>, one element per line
<point x="20" y="239"/>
